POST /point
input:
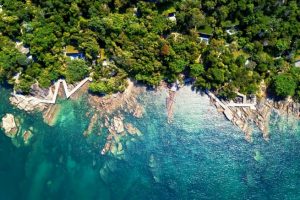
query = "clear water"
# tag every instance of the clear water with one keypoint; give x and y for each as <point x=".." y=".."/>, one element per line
<point x="199" y="156"/>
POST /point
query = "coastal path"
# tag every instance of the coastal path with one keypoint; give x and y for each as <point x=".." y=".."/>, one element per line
<point x="57" y="84"/>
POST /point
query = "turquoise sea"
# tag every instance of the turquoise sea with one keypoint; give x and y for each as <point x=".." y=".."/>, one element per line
<point x="199" y="156"/>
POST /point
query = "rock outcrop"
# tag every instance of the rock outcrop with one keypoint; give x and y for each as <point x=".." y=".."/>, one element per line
<point x="131" y="129"/>
<point x="117" y="130"/>
<point x="30" y="102"/>
<point x="127" y="101"/>
<point x="26" y="104"/>
<point x="9" y="125"/>
<point x="92" y="123"/>
<point x="118" y="125"/>
<point x="26" y="136"/>
<point x="110" y="107"/>
<point x="51" y="113"/>
<point x="244" y="117"/>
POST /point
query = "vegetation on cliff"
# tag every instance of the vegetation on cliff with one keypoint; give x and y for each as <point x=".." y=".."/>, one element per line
<point x="151" y="41"/>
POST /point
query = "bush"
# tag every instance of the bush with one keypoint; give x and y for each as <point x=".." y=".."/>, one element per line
<point x="108" y="86"/>
<point x="284" y="85"/>
<point x="76" y="71"/>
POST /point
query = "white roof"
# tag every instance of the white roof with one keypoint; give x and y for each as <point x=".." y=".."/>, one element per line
<point x="230" y="31"/>
<point x="204" y="39"/>
<point x="104" y="63"/>
<point x="21" y="48"/>
<point x="247" y="62"/>
<point x="172" y="18"/>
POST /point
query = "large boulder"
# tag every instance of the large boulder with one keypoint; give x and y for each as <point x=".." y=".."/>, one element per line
<point x="9" y="125"/>
<point x="118" y="124"/>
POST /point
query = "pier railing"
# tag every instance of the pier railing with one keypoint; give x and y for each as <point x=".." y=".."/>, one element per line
<point x="57" y="84"/>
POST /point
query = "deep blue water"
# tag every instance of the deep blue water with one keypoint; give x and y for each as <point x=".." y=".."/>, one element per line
<point x="199" y="156"/>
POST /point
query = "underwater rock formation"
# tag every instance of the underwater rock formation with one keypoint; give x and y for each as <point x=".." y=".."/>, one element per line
<point x="26" y="136"/>
<point x="9" y="125"/>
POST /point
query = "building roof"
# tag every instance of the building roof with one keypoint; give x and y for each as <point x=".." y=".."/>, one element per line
<point x="71" y="50"/>
<point x="204" y="39"/>
<point x="21" y="48"/>
<point x="230" y="31"/>
<point x="172" y="18"/>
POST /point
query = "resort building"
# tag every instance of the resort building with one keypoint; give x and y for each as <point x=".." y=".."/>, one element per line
<point x="73" y="53"/>
<point x="231" y="31"/>
<point x="204" y="38"/>
<point x="104" y="63"/>
<point x="297" y="63"/>
<point x="172" y="16"/>
<point x="22" y="48"/>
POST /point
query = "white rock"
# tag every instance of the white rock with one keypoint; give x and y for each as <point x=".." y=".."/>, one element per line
<point x="9" y="125"/>
<point x="118" y="125"/>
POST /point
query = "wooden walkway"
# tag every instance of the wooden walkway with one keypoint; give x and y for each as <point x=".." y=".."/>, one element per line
<point x="169" y="104"/>
<point x="227" y="112"/>
<point x="54" y="96"/>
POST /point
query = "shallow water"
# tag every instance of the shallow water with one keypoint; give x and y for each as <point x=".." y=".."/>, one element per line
<point x="199" y="156"/>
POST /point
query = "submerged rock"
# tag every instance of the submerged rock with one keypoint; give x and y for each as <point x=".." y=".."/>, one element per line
<point x="138" y="111"/>
<point x="258" y="157"/>
<point x="9" y="125"/>
<point x="27" y="104"/>
<point x="26" y="136"/>
<point x="120" y="148"/>
<point x="132" y="130"/>
<point x="118" y="124"/>
<point x="113" y="149"/>
<point x="152" y="162"/>
<point x="91" y="125"/>
<point x="51" y="114"/>
<point x="106" y="147"/>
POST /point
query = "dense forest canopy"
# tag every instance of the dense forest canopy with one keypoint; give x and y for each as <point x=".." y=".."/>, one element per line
<point x="224" y="45"/>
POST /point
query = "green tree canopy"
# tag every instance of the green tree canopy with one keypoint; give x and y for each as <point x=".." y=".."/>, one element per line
<point x="284" y="85"/>
<point x="76" y="70"/>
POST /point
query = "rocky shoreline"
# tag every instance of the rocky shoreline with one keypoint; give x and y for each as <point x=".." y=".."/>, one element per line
<point x="245" y="118"/>
<point x="49" y="111"/>
<point x="106" y="106"/>
<point x="106" y="113"/>
<point x="30" y="105"/>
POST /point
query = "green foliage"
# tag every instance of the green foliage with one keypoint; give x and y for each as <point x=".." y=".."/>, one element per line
<point x="178" y="65"/>
<point x="109" y="86"/>
<point x="11" y="60"/>
<point x="145" y="45"/>
<point x="284" y="85"/>
<point x="76" y="70"/>
<point x="196" y="70"/>
<point x="24" y="84"/>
